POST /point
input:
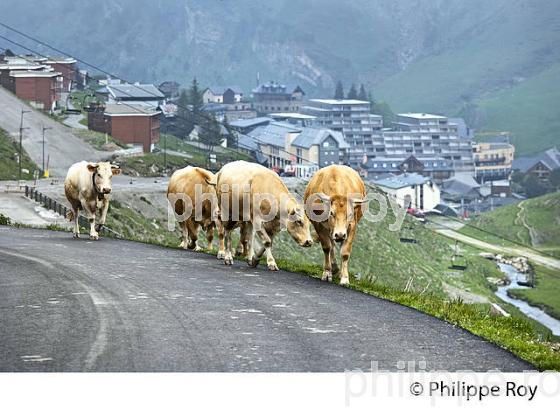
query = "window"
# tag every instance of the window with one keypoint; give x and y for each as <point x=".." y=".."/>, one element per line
<point x="325" y="144"/>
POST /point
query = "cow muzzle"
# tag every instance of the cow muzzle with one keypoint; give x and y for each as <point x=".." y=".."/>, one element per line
<point x="339" y="236"/>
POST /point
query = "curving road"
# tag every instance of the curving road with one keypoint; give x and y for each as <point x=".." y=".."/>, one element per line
<point x="77" y="305"/>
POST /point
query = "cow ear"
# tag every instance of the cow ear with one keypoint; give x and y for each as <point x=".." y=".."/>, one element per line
<point x="115" y="170"/>
<point x="212" y="180"/>
<point x="358" y="201"/>
<point x="92" y="167"/>
<point x="324" y="197"/>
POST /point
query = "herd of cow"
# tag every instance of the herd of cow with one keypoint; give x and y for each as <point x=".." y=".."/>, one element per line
<point x="241" y="195"/>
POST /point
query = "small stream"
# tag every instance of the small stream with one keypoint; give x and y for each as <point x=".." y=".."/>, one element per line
<point x="533" y="312"/>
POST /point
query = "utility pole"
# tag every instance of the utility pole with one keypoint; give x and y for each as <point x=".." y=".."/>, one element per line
<point x="44" y="129"/>
<point x="21" y="128"/>
<point x="165" y="146"/>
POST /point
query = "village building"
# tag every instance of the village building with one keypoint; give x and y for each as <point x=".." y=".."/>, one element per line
<point x="353" y="118"/>
<point x="438" y="169"/>
<point x="142" y="94"/>
<point x="319" y="146"/>
<point x="540" y="165"/>
<point x="130" y="124"/>
<point x="12" y="64"/>
<point x="67" y="68"/>
<point x="273" y="97"/>
<point x="411" y="191"/>
<point x="170" y="89"/>
<point x="222" y="95"/>
<point x="428" y="136"/>
<point x="41" y="88"/>
<point x="493" y="161"/>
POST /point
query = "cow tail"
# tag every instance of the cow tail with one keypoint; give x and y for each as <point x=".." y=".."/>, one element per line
<point x="70" y="215"/>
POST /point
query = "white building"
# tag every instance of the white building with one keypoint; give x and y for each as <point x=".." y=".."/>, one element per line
<point x="222" y="95"/>
<point x="411" y="191"/>
<point x="361" y="129"/>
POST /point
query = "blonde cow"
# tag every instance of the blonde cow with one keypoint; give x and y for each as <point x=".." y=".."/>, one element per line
<point x="340" y="190"/>
<point x="255" y="198"/>
<point x="188" y="186"/>
<point x="87" y="187"/>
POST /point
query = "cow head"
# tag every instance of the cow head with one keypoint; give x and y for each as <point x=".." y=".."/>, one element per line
<point x="298" y="226"/>
<point x="102" y="173"/>
<point x="343" y="211"/>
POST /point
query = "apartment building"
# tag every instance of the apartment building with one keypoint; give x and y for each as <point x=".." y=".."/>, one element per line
<point x="428" y="136"/>
<point x="273" y="97"/>
<point x="493" y="161"/>
<point x="353" y="118"/>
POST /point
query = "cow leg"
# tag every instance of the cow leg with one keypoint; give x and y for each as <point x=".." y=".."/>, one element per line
<point x="242" y="246"/>
<point x="104" y="209"/>
<point x="192" y="228"/>
<point x="210" y="236"/>
<point x="326" y="244"/>
<point x="345" y="251"/>
<point x="90" y="208"/>
<point x="76" y="212"/>
<point x="334" y="264"/>
<point x="184" y="235"/>
<point x="228" y="257"/>
<point x="267" y="248"/>
<point x="221" y="243"/>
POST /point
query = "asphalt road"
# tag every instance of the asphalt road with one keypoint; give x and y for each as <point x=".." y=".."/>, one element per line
<point x="62" y="146"/>
<point x="77" y="305"/>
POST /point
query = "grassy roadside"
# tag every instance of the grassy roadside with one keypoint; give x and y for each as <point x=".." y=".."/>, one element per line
<point x="9" y="166"/>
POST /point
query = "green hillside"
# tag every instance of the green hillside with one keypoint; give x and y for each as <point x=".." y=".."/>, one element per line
<point x="534" y="222"/>
<point x="9" y="167"/>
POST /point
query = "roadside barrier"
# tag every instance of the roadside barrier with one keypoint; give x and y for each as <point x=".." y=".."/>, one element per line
<point x="61" y="209"/>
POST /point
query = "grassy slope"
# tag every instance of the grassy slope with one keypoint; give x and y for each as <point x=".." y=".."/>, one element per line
<point x="546" y="293"/>
<point x="541" y="213"/>
<point x="9" y="167"/>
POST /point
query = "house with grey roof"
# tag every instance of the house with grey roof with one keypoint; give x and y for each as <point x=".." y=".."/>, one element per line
<point x="411" y="191"/>
<point x="275" y="97"/>
<point x="436" y="168"/>
<point x="320" y="146"/>
<point x="141" y="94"/>
<point x="222" y="95"/>
<point x="540" y="165"/>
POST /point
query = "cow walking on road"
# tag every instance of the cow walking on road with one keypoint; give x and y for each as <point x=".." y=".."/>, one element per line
<point x="255" y="199"/>
<point x="87" y="187"/>
<point x="342" y="192"/>
<point x="192" y="195"/>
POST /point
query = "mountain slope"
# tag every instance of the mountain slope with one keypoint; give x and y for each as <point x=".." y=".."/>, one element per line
<point x="448" y="56"/>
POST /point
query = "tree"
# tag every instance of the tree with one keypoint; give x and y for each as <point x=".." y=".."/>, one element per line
<point x="231" y="136"/>
<point x="383" y="109"/>
<point x="353" y="93"/>
<point x="210" y="132"/>
<point x="185" y="119"/>
<point x="339" y="92"/>
<point x="362" y="95"/>
<point x="195" y="96"/>
<point x="533" y="187"/>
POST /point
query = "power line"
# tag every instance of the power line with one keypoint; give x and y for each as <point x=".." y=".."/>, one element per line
<point x="204" y="117"/>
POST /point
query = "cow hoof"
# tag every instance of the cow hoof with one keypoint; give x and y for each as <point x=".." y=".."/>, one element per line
<point x="221" y="255"/>
<point x="253" y="262"/>
<point x="198" y="249"/>
<point x="94" y="237"/>
<point x="228" y="260"/>
<point x="77" y="235"/>
<point x="344" y="282"/>
<point x="273" y="267"/>
<point x="327" y="276"/>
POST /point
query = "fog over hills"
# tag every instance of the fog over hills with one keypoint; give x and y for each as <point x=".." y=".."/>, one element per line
<point x="495" y="62"/>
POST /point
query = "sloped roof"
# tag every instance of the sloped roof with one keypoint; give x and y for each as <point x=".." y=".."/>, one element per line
<point x="401" y="181"/>
<point x="246" y="142"/>
<point x="550" y="158"/>
<point x="273" y="133"/>
<point x="220" y="90"/>
<point x="310" y="136"/>
<point x="461" y="186"/>
<point x="146" y="91"/>
<point x="250" y="122"/>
